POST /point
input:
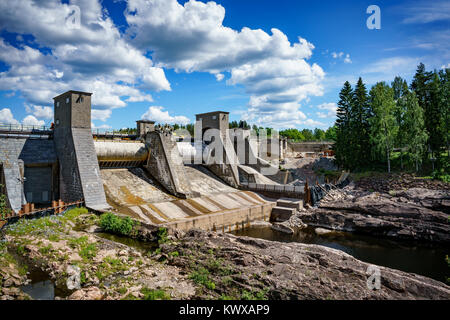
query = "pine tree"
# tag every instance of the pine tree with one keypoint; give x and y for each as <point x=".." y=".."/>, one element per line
<point x="343" y="116"/>
<point x="444" y="76"/>
<point x="414" y="127"/>
<point x="383" y="124"/>
<point x="400" y="88"/>
<point x="359" y="123"/>
<point x="434" y="115"/>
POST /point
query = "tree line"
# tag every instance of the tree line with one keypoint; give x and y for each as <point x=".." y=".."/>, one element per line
<point x="412" y="120"/>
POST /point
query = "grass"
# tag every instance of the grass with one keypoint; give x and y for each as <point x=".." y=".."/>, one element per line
<point x="109" y="266"/>
<point x="202" y="276"/>
<point x="254" y="295"/>
<point x="117" y="225"/>
<point x="88" y="252"/>
<point x="155" y="294"/>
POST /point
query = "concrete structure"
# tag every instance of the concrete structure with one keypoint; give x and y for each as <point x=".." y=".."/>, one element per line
<point x="144" y="126"/>
<point x="165" y="164"/>
<point x="148" y="175"/>
<point x="214" y="120"/>
<point x="310" y="146"/>
<point x="79" y="169"/>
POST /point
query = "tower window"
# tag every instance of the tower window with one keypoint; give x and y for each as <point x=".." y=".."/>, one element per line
<point x="67" y="100"/>
<point x="57" y="103"/>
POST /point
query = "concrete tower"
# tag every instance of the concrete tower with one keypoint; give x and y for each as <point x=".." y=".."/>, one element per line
<point x="79" y="170"/>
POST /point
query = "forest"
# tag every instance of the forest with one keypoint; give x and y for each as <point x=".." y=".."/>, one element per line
<point x="408" y="123"/>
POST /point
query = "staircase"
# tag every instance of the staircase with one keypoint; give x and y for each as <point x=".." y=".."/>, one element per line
<point x="284" y="209"/>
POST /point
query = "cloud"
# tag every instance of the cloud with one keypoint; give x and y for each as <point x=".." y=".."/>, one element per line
<point x="116" y="66"/>
<point x="156" y="113"/>
<point x="32" y="121"/>
<point x="95" y="57"/>
<point x="40" y="111"/>
<point x="101" y="115"/>
<point x="219" y="76"/>
<point x="426" y="12"/>
<point x="392" y="65"/>
<point x="330" y="109"/>
<point x="6" y="117"/>
<point x="347" y="58"/>
<point x="192" y="37"/>
<point x="100" y="127"/>
<point x="341" y="55"/>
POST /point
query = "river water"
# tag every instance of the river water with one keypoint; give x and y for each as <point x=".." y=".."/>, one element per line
<point x="419" y="258"/>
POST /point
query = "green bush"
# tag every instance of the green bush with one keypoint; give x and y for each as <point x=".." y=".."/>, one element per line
<point x="161" y="235"/>
<point x="114" y="224"/>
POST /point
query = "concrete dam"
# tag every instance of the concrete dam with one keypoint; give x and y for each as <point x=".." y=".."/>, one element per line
<point x="149" y="175"/>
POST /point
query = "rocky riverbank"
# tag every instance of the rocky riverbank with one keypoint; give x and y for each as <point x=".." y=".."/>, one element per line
<point x="419" y="213"/>
<point x="195" y="265"/>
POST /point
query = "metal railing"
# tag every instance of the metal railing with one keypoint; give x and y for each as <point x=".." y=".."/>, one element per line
<point x="28" y="210"/>
<point x="22" y="128"/>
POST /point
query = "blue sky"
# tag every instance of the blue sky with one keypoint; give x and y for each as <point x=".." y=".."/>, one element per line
<point x="273" y="63"/>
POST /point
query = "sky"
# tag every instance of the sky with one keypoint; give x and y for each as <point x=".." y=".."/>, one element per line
<point x="278" y="64"/>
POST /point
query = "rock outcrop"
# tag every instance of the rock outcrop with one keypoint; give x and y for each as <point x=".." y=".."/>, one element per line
<point x="293" y="270"/>
<point x="413" y="214"/>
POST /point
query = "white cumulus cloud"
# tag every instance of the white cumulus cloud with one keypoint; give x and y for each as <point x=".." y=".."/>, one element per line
<point x="6" y="117"/>
<point x="157" y="114"/>
<point x="32" y="121"/>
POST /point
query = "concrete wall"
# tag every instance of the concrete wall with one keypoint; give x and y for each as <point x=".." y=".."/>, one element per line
<point x="18" y="153"/>
<point x="225" y="221"/>
<point x="165" y="164"/>
<point x="227" y="168"/>
<point x="319" y="146"/>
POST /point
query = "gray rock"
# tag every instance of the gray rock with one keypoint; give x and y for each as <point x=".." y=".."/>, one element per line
<point x="302" y="271"/>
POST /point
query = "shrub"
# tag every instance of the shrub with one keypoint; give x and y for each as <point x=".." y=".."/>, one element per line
<point x="161" y="235"/>
<point x="114" y="224"/>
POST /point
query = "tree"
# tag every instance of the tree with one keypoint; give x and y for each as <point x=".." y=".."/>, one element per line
<point x="444" y="76"/>
<point x="419" y="84"/>
<point x="400" y="88"/>
<point x="383" y="124"/>
<point x="308" y="134"/>
<point x="359" y="125"/>
<point x="434" y="115"/>
<point x="343" y="115"/>
<point x="330" y="134"/>
<point x="413" y="127"/>
<point x="319" y="134"/>
<point x="292" y="134"/>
